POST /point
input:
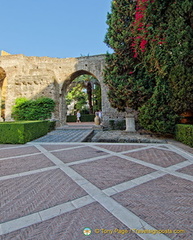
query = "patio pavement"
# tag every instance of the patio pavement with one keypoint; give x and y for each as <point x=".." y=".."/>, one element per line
<point x="53" y="191"/>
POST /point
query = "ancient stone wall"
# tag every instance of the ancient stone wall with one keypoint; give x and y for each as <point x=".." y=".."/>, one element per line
<point x="33" y="77"/>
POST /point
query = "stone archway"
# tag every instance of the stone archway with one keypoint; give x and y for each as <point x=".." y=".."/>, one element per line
<point x="63" y="92"/>
<point x="2" y="93"/>
<point x="33" y="77"/>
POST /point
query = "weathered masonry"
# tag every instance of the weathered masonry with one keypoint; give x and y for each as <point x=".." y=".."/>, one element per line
<point x="34" y="77"/>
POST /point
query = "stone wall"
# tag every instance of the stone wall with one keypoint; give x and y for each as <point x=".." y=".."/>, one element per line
<point x="33" y="77"/>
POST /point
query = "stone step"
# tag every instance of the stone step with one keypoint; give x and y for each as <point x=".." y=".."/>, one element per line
<point x="66" y="135"/>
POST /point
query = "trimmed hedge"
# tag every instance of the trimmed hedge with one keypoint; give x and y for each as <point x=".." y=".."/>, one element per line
<point x="83" y="118"/>
<point x="22" y="132"/>
<point x="51" y="125"/>
<point x="184" y="134"/>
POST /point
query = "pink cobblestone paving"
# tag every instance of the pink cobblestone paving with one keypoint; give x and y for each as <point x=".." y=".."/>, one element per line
<point x="57" y="147"/>
<point x="78" y="154"/>
<point x="68" y="226"/>
<point x="17" y="151"/>
<point x="165" y="203"/>
<point x="121" y="148"/>
<point x="87" y="191"/>
<point x="187" y="170"/>
<point x="29" y="194"/>
<point x="111" y="171"/>
<point x="23" y="164"/>
<point x="158" y="157"/>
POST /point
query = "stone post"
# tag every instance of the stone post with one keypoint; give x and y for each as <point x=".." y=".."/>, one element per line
<point x="130" y="120"/>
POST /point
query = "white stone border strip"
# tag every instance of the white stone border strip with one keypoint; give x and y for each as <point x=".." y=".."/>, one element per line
<point x="170" y="170"/>
<point x="44" y="215"/>
<point x="131" y="220"/>
<point x="21" y="174"/>
<point x="181" y="152"/>
<point x="102" y="196"/>
<point x="132" y="183"/>
<point x="20" y="156"/>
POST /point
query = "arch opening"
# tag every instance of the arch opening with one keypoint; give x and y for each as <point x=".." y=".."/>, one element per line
<point x="81" y="91"/>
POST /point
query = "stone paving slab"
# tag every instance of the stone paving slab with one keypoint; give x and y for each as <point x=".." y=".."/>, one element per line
<point x="78" y="154"/>
<point x="68" y="226"/>
<point x="121" y="148"/>
<point x="158" y="157"/>
<point x="17" y="151"/>
<point x="57" y="147"/>
<point x="110" y="171"/>
<point x="187" y="170"/>
<point x="66" y="135"/>
<point x="165" y="203"/>
<point x="24" y="164"/>
<point x="32" y="193"/>
<point x="55" y="190"/>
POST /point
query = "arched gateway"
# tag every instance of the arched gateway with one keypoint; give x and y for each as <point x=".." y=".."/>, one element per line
<point x="33" y="77"/>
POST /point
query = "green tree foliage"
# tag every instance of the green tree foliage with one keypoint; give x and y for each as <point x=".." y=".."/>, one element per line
<point x="78" y="96"/>
<point x="39" y="109"/>
<point x="91" y="95"/>
<point x="151" y="67"/>
<point x="129" y="84"/>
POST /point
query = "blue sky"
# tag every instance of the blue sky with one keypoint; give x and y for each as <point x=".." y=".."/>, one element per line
<point x="54" y="28"/>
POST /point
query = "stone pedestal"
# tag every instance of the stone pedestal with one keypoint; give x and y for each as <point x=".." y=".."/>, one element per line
<point x="130" y="123"/>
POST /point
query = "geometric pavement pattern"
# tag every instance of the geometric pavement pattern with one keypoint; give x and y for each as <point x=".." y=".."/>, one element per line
<point x="118" y="190"/>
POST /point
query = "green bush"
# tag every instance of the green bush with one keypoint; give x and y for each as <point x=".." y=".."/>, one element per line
<point x="117" y="124"/>
<point x="71" y="118"/>
<point x="51" y="125"/>
<point x="22" y="132"/>
<point x="39" y="109"/>
<point x="184" y="134"/>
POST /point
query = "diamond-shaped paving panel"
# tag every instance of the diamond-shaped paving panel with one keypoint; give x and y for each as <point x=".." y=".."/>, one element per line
<point x="57" y="146"/>
<point x="157" y="156"/>
<point x="110" y="171"/>
<point x="24" y="164"/>
<point x="120" y="148"/>
<point x="187" y="170"/>
<point x="17" y="151"/>
<point x="32" y="193"/>
<point x="69" y="226"/>
<point x="78" y="154"/>
<point x="165" y="203"/>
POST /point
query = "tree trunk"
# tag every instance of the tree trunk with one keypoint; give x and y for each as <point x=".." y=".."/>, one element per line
<point x="89" y="93"/>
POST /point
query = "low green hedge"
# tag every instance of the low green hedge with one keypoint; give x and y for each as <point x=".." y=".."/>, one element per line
<point x="51" y="125"/>
<point x="22" y="132"/>
<point x="83" y="118"/>
<point x="184" y="134"/>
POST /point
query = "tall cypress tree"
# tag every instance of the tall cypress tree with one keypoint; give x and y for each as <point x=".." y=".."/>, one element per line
<point x="151" y="68"/>
<point x="129" y="84"/>
<point x="180" y="74"/>
<point x="170" y="56"/>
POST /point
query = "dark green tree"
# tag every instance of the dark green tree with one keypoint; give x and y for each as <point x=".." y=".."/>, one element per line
<point x="169" y="55"/>
<point x="129" y="83"/>
<point x="179" y="36"/>
<point x="151" y="67"/>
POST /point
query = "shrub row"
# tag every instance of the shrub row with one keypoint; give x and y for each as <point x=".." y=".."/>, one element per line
<point x="22" y="132"/>
<point x="39" y="109"/>
<point x="184" y="134"/>
<point x="83" y="118"/>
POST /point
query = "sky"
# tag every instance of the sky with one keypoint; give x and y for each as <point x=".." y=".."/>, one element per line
<point x="54" y="28"/>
